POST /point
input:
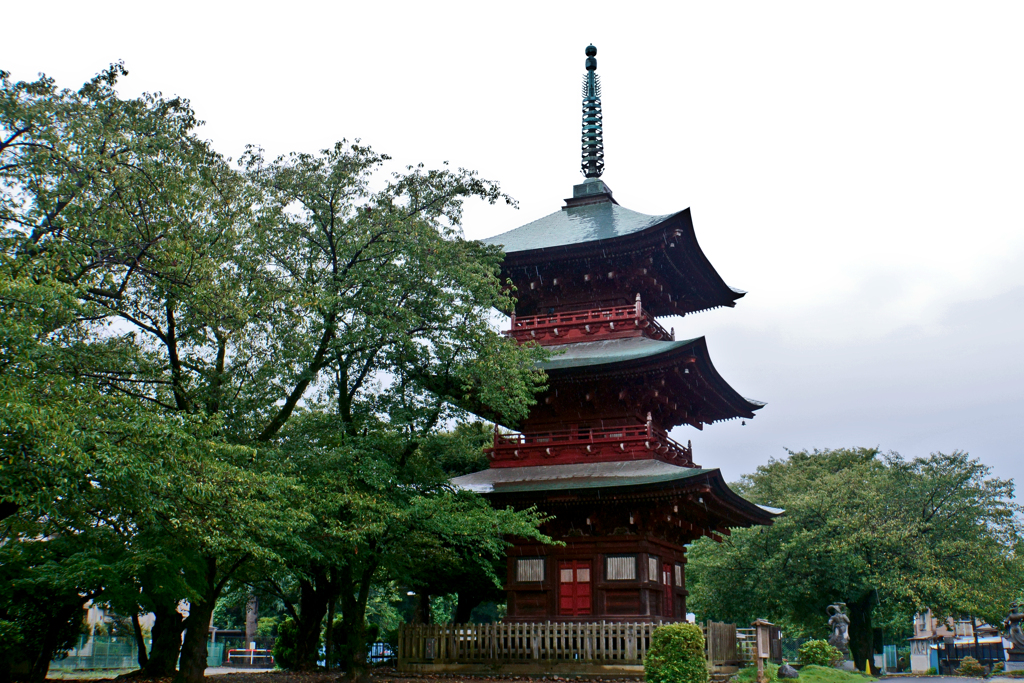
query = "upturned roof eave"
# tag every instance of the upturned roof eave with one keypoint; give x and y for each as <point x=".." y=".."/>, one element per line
<point x="722" y="294"/>
<point x="674" y="352"/>
<point x="543" y="480"/>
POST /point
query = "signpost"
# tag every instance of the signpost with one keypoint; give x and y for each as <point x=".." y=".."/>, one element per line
<point x="763" y="641"/>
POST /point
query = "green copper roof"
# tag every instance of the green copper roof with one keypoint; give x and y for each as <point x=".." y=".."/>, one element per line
<point x="584" y="354"/>
<point x="607" y="475"/>
<point x="576" y="225"/>
<point x="578" y="476"/>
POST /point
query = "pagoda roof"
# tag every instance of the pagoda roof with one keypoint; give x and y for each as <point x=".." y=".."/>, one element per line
<point x="613" y="357"/>
<point x="636" y="476"/>
<point x="603" y="352"/>
<point x="575" y="476"/>
<point x="606" y="250"/>
<point x="576" y="225"/>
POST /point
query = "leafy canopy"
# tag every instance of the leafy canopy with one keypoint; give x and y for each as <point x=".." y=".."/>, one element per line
<point x="886" y="535"/>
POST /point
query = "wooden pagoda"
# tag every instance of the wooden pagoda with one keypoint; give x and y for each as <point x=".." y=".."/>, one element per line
<point x="591" y="281"/>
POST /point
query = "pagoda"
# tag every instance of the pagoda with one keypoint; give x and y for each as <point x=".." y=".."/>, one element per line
<point x="591" y="281"/>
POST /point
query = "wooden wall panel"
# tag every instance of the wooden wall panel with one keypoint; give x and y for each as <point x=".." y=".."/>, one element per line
<point x="622" y="602"/>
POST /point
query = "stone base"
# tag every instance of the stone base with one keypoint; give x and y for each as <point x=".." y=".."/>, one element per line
<point x="846" y="665"/>
<point x="1014" y="666"/>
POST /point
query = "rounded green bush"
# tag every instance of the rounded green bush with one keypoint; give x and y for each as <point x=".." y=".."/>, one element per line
<point x="676" y="655"/>
<point x="284" y="647"/>
<point x="969" y="666"/>
<point x="819" y="652"/>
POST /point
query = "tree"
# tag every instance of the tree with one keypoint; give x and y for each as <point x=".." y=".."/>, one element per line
<point x="112" y="210"/>
<point x="887" y="536"/>
<point x="200" y="312"/>
<point x="399" y="324"/>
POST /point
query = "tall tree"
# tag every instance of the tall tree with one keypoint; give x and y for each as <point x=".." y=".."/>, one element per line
<point x="402" y="317"/>
<point x="211" y="307"/>
<point x="887" y="536"/>
<point x="119" y="225"/>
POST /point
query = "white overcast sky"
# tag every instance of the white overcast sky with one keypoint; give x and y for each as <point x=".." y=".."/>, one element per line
<point x="857" y="167"/>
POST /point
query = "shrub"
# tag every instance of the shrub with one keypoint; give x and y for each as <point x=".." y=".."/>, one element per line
<point x="676" y="655"/>
<point x="931" y="671"/>
<point x="820" y="653"/>
<point x="284" y="647"/>
<point x="969" y="666"/>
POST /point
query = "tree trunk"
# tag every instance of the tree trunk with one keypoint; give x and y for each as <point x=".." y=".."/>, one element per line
<point x="861" y="632"/>
<point x="312" y="608"/>
<point x="974" y="630"/>
<point x="165" y="645"/>
<point x="353" y="622"/>
<point x="421" y="615"/>
<point x="192" y="666"/>
<point x="464" y="607"/>
<point x="252" y="609"/>
<point x="140" y="642"/>
<point x="332" y="602"/>
<point x="54" y="637"/>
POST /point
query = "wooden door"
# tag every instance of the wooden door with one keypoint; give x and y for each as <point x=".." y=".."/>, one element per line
<point x="669" y="601"/>
<point x="574" y="594"/>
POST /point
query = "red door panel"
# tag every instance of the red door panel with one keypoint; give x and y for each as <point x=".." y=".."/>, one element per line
<point x="666" y="580"/>
<point x="574" y="593"/>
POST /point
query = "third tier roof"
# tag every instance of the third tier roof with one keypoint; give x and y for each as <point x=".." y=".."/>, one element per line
<point x="594" y="252"/>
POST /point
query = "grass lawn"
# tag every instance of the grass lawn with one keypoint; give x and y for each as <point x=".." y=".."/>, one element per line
<point x="824" y="674"/>
<point x="808" y="674"/>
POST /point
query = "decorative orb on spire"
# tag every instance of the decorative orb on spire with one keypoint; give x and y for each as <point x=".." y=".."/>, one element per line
<point x="593" y="134"/>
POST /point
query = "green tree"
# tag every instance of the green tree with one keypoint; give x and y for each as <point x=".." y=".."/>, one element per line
<point x="885" y="535"/>
<point x="122" y="263"/>
<point x="198" y="310"/>
<point x="399" y="324"/>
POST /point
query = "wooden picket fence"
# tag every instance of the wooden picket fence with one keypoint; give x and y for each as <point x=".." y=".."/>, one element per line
<point x="599" y="642"/>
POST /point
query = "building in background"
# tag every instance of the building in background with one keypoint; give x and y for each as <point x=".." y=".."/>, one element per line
<point x="931" y="635"/>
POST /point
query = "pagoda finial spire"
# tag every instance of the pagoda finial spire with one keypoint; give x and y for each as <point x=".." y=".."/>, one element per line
<point x="593" y="136"/>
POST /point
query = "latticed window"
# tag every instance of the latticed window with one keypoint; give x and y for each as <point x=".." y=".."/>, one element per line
<point x="530" y="569"/>
<point x="652" y="568"/>
<point x="679" y="575"/>
<point x="621" y="568"/>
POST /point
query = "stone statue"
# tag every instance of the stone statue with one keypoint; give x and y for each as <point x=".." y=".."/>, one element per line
<point x="1012" y="624"/>
<point x="840" y="625"/>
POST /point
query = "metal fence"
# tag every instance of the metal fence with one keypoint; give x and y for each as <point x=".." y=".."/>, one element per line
<point x="791" y="648"/>
<point x="117" y="652"/>
<point x="101" y="652"/>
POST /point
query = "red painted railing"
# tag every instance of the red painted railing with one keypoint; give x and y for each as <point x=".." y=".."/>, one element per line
<point x="588" y="445"/>
<point x="595" y="323"/>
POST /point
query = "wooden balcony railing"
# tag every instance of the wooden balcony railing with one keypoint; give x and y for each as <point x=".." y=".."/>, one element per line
<point x="590" y="325"/>
<point x="633" y="442"/>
